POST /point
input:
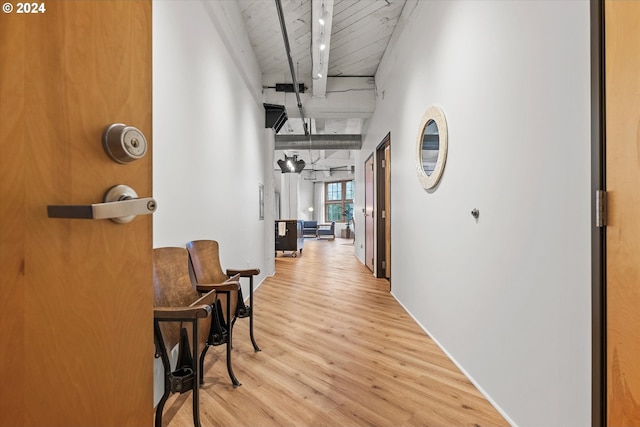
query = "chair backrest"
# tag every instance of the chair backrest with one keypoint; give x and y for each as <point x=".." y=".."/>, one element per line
<point x="172" y="288"/>
<point x="205" y="262"/>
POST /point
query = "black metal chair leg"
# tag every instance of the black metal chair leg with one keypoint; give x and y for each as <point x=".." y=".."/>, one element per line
<point x="253" y="340"/>
<point x="196" y="380"/>
<point x="233" y="322"/>
<point x="234" y="380"/>
<point x="159" y="409"/>
<point x="206" y="348"/>
<point x="167" y="370"/>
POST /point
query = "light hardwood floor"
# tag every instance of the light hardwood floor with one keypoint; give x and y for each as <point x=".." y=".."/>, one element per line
<point x="337" y="350"/>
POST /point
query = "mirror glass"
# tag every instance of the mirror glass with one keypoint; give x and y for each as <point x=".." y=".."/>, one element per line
<point x="430" y="147"/>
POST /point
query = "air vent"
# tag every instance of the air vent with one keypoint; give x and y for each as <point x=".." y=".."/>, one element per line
<point x="275" y="116"/>
<point x="289" y="87"/>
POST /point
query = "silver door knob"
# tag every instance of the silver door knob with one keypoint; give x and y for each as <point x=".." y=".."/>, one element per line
<point x="121" y="204"/>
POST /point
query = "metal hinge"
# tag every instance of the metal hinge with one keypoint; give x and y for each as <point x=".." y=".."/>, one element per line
<point x="383" y="214"/>
<point x="384" y="264"/>
<point x="384" y="163"/>
<point x="601" y="208"/>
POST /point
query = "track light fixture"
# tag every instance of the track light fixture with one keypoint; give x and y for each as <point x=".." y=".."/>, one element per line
<point x="324" y="17"/>
<point x="321" y="44"/>
<point x="291" y="164"/>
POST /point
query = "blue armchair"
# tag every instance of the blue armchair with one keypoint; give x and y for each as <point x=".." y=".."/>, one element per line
<point x="326" y="230"/>
<point x="310" y="228"/>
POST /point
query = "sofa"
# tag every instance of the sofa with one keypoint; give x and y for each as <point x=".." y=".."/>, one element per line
<point x="309" y="228"/>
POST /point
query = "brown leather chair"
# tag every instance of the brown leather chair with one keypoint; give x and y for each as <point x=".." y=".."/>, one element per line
<point x="177" y="303"/>
<point x="205" y="261"/>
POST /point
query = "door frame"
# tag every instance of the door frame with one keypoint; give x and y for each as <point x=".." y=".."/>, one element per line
<point x="381" y="223"/>
<point x="598" y="234"/>
<point x="369" y="238"/>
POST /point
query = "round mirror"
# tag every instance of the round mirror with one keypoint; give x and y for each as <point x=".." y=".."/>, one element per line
<point x="431" y="147"/>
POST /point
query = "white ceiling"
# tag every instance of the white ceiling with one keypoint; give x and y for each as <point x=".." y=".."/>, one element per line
<point x="360" y="31"/>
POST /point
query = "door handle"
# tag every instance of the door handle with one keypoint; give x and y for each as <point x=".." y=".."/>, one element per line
<point x="121" y="204"/>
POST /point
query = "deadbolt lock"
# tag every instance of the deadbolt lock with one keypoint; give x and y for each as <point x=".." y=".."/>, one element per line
<point x="124" y="144"/>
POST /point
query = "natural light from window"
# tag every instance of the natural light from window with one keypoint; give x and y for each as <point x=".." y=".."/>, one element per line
<point x="338" y="201"/>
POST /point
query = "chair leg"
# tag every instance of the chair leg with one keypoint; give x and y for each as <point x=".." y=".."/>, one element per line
<point x="159" y="409"/>
<point x="196" y="380"/>
<point x="234" y="380"/>
<point x="253" y="340"/>
<point x="206" y="348"/>
<point x="230" y="323"/>
<point x="167" y="372"/>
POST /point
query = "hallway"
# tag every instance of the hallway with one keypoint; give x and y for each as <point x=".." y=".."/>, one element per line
<point x="337" y="350"/>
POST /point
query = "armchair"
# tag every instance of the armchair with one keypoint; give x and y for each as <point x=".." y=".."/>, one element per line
<point x="309" y="228"/>
<point x="328" y="230"/>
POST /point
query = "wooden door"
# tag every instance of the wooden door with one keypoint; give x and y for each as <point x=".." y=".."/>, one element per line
<point x="622" y="62"/>
<point x="76" y="302"/>
<point x="368" y="213"/>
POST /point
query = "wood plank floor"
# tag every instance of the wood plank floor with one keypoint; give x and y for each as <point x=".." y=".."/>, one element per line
<point x="337" y="350"/>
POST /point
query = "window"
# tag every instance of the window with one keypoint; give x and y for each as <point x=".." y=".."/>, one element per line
<point x="338" y="201"/>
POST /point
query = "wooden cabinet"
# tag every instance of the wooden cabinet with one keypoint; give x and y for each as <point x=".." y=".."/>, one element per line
<point x="289" y="236"/>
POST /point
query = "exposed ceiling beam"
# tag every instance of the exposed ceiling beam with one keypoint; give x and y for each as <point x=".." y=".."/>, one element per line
<point x="346" y="97"/>
<point x="322" y="19"/>
<point x="318" y="142"/>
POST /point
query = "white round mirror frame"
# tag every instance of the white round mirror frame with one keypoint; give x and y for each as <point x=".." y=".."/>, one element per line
<point x="437" y="115"/>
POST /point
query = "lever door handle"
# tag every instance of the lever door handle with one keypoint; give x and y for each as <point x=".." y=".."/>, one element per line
<point x="121" y="204"/>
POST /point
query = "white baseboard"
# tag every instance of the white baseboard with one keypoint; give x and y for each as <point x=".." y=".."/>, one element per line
<point x="459" y="366"/>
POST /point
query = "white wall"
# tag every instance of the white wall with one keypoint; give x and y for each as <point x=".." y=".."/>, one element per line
<point x="209" y="141"/>
<point x="318" y="201"/>
<point x="289" y="203"/>
<point x="305" y="198"/>
<point x="507" y="296"/>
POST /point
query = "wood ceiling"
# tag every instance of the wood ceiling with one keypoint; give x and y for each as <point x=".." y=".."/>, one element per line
<point x="360" y="31"/>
